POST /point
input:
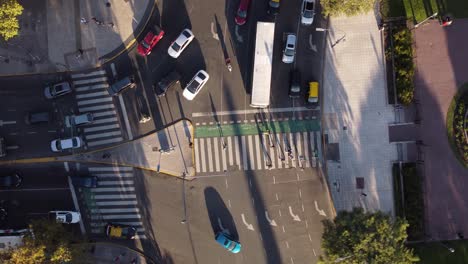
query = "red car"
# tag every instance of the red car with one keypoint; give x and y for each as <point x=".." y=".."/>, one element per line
<point x="241" y="16"/>
<point x="151" y="39"/>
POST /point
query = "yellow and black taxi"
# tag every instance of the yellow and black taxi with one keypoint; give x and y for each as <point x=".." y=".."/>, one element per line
<point x="312" y="95"/>
<point x="120" y="231"/>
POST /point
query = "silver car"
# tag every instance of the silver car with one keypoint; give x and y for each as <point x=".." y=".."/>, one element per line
<point x="78" y="120"/>
<point x="308" y="12"/>
<point x="195" y="85"/>
<point x="180" y="43"/>
<point x="57" y="90"/>
<point x="289" y="49"/>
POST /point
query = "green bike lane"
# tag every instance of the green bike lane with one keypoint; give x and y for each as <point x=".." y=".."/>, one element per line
<point x="254" y="128"/>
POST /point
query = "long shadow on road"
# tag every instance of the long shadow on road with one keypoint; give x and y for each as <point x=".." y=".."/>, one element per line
<point x="220" y="217"/>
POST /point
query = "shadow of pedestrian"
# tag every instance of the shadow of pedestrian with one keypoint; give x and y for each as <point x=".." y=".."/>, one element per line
<point x="220" y="217"/>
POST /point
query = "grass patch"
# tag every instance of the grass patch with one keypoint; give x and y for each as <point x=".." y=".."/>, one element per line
<point x="457" y="8"/>
<point x="450" y="124"/>
<point x="418" y="10"/>
<point x="435" y="253"/>
<point x="392" y="8"/>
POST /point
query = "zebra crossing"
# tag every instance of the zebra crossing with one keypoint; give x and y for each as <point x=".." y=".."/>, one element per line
<point x="258" y="152"/>
<point x="113" y="200"/>
<point x="92" y="97"/>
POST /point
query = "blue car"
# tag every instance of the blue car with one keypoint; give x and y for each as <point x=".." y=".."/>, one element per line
<point x="85" y="181"/>
<point x="227" y="242"/>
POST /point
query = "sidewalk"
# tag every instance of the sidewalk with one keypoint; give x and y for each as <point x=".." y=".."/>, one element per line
<point x="356" y="116"/>
<point x="106" y="253"/>
<point x="52" y="34"/>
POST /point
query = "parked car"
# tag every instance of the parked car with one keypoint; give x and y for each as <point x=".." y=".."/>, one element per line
<point x="11" y="181"/>
<point x="195" y="85"/>
<point x="308" y="12"/>
<point x="160" y="88"/>
<point x="273" y="7"/>
<point x="289" y="49"/>
<point x="149" y="41"/>
<point x="182" y="41"/>
<point x="312" y="95"/>
<point x="32" y="118"/>
<point x="122" y="84"/>
<point x="79" y="120"/>
<point x="295" y="84"/>
<point x="227" y="242"/>
<point x="120" y="231"/>
<point x="65" y="217"/>
<point x="85" y="181"/>
<point x="57" y="90"/>
<point x="58" y="145"/>
<point x="241" y="15"/>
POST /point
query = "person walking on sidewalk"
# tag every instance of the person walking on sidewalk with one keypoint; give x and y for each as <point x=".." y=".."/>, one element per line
<point x="84" y="21"/>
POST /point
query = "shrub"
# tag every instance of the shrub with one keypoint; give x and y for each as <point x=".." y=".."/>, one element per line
<point x="346" y="7"/>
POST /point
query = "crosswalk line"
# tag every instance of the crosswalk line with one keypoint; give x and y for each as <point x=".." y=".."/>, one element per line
<point x="96" y="108"/>
<point x="100" y="128"/>
<point x="216" y="156"/>
<point x="210" y="156"/>
<point x="110" y="169"/>
<point x="116" y="216"/>
<point x="202" y="153"/>
<point x="114" y="196"/>
<point x="272" y="157"/>
<point x="105" y="113"/>
<point x="120" y="221"/>
<point x="89" y="95"/>
<point x="95" y="101"/>
<point x="312" y="145"/>
<point x="244" y="153"/>
<point x="319" y="147"/>
<point x="105" y="120"/>
<point x="285" y="148"/>
<point x="279" y="150"/>
<point x="230" y="150"/>
<point x="113" y="189"/>
<point x="101" y="135"/>
<point x="104" y="183"/>
<point x="114" y="203"/>
<point x="223" y="158"/>
<point x="113" y="175"/>
<point x="90" y="80"/>
<point x="84" y="75"/>
<point x="104" y="141"/>
<point x="292" y="144"/>
<point x="99" y="86"/>
<point x="306" y="150"/>
<point x="197" y="155"/>
<point x="114" y="210"/>
<point x="258" y="148"/>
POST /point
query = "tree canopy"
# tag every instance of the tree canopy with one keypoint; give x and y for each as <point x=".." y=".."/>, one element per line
<point x="346" y="7"/>
<point x="357" y="237"/>
<point x="49" y="243"/>
<point x="9" y="12"/>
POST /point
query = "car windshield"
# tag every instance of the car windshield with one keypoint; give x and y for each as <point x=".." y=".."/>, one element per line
<point x="289" y="52"/>
<point x="58" y="88"/>
<point x="175" y="46"/>
<point x="68" y="217"/>
<point x="186" y="34"/>
<point x="145" y="44"/>
<point x="308" y="14"/>
<point x="58" y="145"/>
<point x="242" y="13"/>
<point x="193" y="86"/>
<point x="274" y="4"/>
<point x="74" y="142"/>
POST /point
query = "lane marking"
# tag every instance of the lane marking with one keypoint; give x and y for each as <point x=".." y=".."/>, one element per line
<point x="284" y="230"/>
<point x="202" y="153"/>
<point x="287" y="244"/>
<point x="226" y="183"/>
<point x="271" y="221"/>
<point x="213" y="32"/>
<point x="249" y="226"/>
<point x="250" y="111"/>
<point x="127" y="123"/>
<point x="277" y="198"/>
<point x="310" y="237"/>
<point x="7" y="122"/>
<point x="295" y="217"/>
<point x="67" y="168"/>
<point x="75" y="203"/>
<point x="114" y="71"/>
<point x="312" y="46"/>
<point x="229" y="203"/>
<point x="315" y="254"/>
<point x="12" y="147"/>
<point x="307" y="224"/>
<point x="321" y="212"/>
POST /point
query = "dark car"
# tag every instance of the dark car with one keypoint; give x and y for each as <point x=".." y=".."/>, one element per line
<point x="273" y="7"/>
<point x="85" y="181"/>
<point x="11" y="181"/>
<point x="120" y="231"/>
<point x="160" y="88"/>
<point x="295" y="84"/>
<point x="122" y="84"/>
<point x="37" y="118"/>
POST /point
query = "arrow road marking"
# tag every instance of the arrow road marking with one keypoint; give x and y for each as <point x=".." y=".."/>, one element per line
<point x="272" y="222"/>
<point x="238" y="36"/>
<point x="222" y="227"/>
<point x="295" y="217"/>
<point x="312" y="46"/>
<point x="213" y="32"/>
<point x="249" y="226"/>
<point x="321" y="212"/>
<point x="7" y="122"/>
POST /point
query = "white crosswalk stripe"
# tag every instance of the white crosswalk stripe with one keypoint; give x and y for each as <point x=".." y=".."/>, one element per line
<point x="113" y="200"/>
<point x="257" y="152"/>
<point x="92" y="97"/>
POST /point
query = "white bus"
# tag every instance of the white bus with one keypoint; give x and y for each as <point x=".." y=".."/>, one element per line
<point x="261" y="82"/>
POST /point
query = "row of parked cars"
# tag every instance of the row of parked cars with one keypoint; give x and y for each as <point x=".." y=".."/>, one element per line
<point x="307" y="11"/>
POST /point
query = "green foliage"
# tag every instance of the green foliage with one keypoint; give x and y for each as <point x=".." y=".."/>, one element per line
<point x="50" y="243"/>
<point x="9" y="12"/>
<point x="459" y="124"/>
<point x="414" y="204"/>
<point x="358" y="237"/>
<point x="392" y="8"/>
<point x="346" y="7"/>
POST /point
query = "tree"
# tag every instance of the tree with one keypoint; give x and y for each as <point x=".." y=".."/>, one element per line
<point x="346" y="7"/>
<point x="9" y="12"/>
<point x="49" y="243"/>
<point x="357" y="237"/>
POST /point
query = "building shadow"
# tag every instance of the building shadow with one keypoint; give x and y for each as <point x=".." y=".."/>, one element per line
<point x="220" y="217"/>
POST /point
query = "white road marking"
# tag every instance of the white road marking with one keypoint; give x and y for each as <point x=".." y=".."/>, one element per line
<point x="115" y="169"/>
<point x="226" y="182"/>
<point x="117" y="216"/>
<point x="274" y="180"/>
<point x="229" y="203"/>
<point x="258" y="147"/>
<point x="251" y="153"/>
<point x="99" y="86"/>
<point x="210" y="155"/>
<point x="223" y="158"/>
<point x="67" y="168"/>
<point x="249" y="226"/>
<point x="119" y="175"/>
<point x="319" y="148"/>
<point x="115" y="189"/>
<point x="237" y="152"/>
<point x="93" y="73"/>
<point x="106" y="182"/>
<point x="295" y="217"/>
<point x="95" y="94"/>
<point x="277" y="198"/>
<point x="306" y="150"/>
<point x="197" y="155"/>
<point x="110" y="203"/>
<point x="292" y="144"/>
<point x="307" y="224"/>
<point x="279" y="212"/>
<point x="105" y="134"/>
<point x="272" y="222"/>
<point x="213" y="32"/>
<point x="114" y="71"/>
<point x="114" y="210"/>
<point x="105" y="113"/>
<point x="105" y="120"/>
<point x="104" y="141"/>
<point x="300" y="193"/>
<point x="99" y="128"/>
<point x="312" y="46"/>
<point x="93" y="80"/>
<point x="96" y="108"/>
<point x="202" y="154"/>
<point x="321" y="212"/>
<point x="75" y="203"/>
<point x="244" y="153"/>
<point x="310" y="238"/>
<point x="32" y="132"/>
<point x="315" y="254"/>
<point x="231" y="151"/>
<point x="127" y="123"/>
<point x="216" y="157"/>
<point x="287" y="244"/>
<point x="94" y="101"/>
<point x="284" y="230"/>
<point x="303" y="210"/>
<point x="7" y="122"/>
<point x="250" y="111"/>
<point x="115" y="196"/>
<point x="12" y="147"/>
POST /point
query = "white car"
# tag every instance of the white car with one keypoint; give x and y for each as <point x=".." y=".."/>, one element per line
<point x="58" y="145"/>
<point x="65" y="217"/>
<point x="308" y="12"/>
<point x="57" y="90"/>
<point x="290" y="49"/>
<point x="78" y="120"/>
<point x="182" y="41"/>
<point x="195" y="85"/>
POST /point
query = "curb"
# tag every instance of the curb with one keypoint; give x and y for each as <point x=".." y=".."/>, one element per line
<point x="134" y="250"/>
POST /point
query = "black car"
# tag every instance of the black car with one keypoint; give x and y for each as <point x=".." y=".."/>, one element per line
<point x="295" y="84"/>
<point x="11" y="181"/>
<point x="273" y="7"/>
<point x="122" y="84"/>
<point x="161" y="87"/>
<point x="37" y="118"/>
<point x="85" y="181"/>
